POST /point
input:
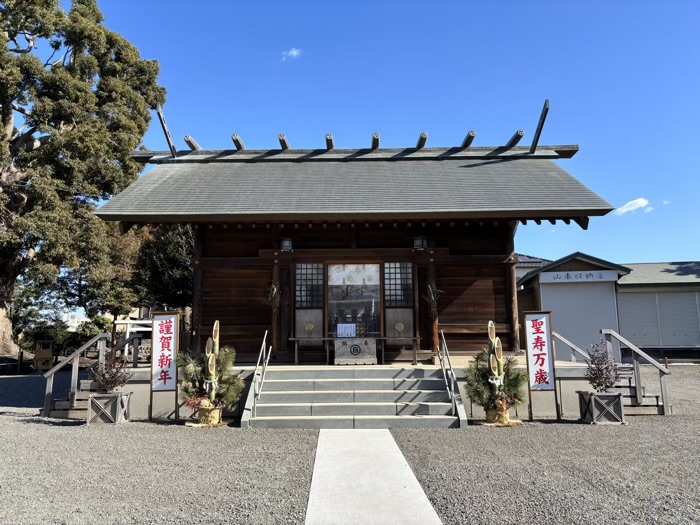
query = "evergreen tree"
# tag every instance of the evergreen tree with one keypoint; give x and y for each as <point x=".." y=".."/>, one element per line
<point x="74" y="102"/>
<point x="163" y="274"/>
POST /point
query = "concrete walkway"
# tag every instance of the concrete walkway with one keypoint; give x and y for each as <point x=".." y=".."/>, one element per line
<point x="361" y="477"/>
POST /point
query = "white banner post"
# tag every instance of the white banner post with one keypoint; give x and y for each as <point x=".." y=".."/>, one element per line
<point x="540" y="356"/>
<point x="165" y="344"/>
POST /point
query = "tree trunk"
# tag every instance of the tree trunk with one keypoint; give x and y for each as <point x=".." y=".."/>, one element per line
<point x="7" y="345"/>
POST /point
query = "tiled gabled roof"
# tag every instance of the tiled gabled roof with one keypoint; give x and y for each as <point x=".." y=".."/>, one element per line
<point x="208" y="188"/>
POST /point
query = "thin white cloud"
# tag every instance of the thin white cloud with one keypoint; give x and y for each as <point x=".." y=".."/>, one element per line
<point x="291" y="54"/>
<point x="648" y="209"/>
<point x="666" y="203"/>
<point x="634" y="205"/>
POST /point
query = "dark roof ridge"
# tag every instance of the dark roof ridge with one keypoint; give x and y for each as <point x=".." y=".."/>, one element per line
<point x="363" y="154"/>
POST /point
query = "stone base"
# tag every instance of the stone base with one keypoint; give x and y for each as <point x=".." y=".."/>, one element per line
<point x="355" y="351"/>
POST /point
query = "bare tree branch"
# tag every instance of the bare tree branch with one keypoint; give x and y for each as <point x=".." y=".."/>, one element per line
<point x="21" y="110"/>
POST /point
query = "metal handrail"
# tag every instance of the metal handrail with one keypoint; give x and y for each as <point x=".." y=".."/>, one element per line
<point x="636" y="355"/>
<point x="448" y="373"/>
<point x="264" y="358"/>
<point x="572" y="346"/>
<point x="74" y="359"/>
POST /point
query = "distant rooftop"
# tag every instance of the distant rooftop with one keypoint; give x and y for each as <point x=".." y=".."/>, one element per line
<point x="665" y="273"/>
<point x="528" y="261"/>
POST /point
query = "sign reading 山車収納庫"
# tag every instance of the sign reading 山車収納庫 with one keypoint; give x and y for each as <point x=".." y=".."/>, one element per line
<point x="540" y="351"/>
<point x="164" y="347"/>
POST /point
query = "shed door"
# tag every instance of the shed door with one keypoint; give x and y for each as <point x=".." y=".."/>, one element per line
<point x="579" y="311"/>
<point x="678" y="315"/>
<point x="638" y="318"/>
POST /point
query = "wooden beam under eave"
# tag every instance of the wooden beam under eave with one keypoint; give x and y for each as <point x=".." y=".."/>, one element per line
<point x="582" y="222"/>
<point x="552" y="221"/>
<point x="126" y="226"/>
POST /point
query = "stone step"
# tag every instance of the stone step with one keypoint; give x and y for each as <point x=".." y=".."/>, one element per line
<point x="353" y="384"/>
<point x="352" y="409"/>
<point x="312" y="422"/>
<point x="626" y="389"/>
<point x="74" y="413"/>
<point x="89" y="384"/>
<point x="65" y="404"/>
<point x="631" y="400"/>
<point x="342" y="372"/>
<point x="350" y="396"/>
<point x="646" y="410"/>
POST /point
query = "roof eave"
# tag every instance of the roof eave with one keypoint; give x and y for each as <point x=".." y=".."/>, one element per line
<point x="509" y="215"/>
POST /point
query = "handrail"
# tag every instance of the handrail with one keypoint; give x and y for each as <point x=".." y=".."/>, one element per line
<point x="74" y="359"/>
<point x="261" y="358"/>
<point x="636" y="354"/>
<point x="134" y="348"/>
<point x="572" y="346"/>
<point x="636" y="350"/>
<point x="448" y="372"/>
<point x="120" y="346"/>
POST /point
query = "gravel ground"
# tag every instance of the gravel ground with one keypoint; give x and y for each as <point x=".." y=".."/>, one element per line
<point x="53" y="471"/>
<point x="645" y="472"/>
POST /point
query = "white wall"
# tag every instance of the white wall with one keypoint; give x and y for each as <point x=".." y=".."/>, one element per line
<point x="579" y="311"/>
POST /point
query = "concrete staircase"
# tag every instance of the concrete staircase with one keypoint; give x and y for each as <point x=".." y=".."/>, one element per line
<point x="651" y="403"/>
<point x="352" y="397"/>
<point x="61" y="407"/>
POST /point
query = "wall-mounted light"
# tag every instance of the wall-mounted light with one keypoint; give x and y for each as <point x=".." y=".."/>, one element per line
<point x="286" y="245"/>
<point x="420" y="244"/>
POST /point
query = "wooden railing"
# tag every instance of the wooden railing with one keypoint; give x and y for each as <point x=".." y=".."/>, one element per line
<point x="74" y="359"/>
<point x="576" y="349"/>
<point x="636" y="355"/>
<point x="132" y="342"/>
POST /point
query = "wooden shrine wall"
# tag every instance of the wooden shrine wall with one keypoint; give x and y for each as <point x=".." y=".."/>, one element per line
<point x="472" y="264"/>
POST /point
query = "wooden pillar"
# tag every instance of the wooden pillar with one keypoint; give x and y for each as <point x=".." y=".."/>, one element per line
<point x="197" y="290"/>
<point x="512" y="287"/>
<point x="275" y="296"/>
<point x="432" y="299"/>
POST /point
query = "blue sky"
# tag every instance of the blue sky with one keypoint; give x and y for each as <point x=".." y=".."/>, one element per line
<point x="623" y="79"/>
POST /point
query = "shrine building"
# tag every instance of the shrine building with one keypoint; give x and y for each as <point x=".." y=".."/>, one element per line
<point x="398" y="244"/>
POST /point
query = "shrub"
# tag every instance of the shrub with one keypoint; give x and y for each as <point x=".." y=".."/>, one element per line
<point x="602" y="371"/>
<point x="484" y="393"/>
